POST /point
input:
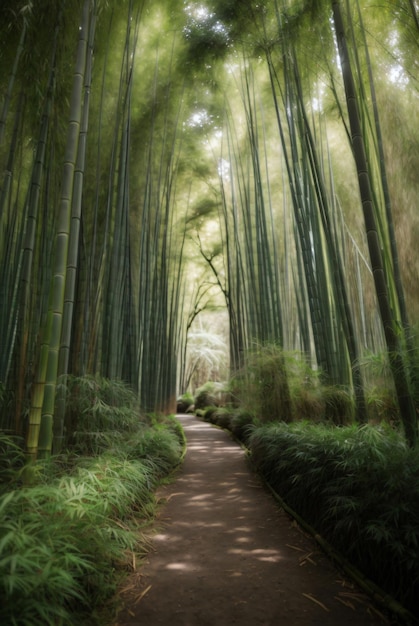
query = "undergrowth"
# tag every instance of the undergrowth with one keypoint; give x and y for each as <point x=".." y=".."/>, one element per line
<point x="358" y="487"/>
<point x="66" y="539"/>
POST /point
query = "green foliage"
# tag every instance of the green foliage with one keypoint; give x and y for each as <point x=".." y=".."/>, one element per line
<point x="356" y="486"/>
<point x="305" y="388"/>
<point x="48" y="548"/>
<point x="239" y="421"/>
<point x="159" y="445"/>
<point x="222" y="417"/>
<point x="100" y="413"/>
<point x="262" y="386"/>
<point x="66" y="538"/>
<point x="382" y="405"/>
<point x="339" y="405"/>
<point x="12" y="461"/>
<point x="209" y="413"/>
<point x="205" y="35"/>
<point x="63" y="543"/>
<point x="185" y="401"/>
<point x="242" y="423"/>
<point x="209" y="394"/>
<point x="281" y="386"/>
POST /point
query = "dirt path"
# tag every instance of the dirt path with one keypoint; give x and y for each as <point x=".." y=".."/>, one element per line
<point x="224" y="553"/>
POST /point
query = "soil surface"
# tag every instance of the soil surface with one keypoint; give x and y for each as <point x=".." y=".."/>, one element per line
<point x="224" y="553"/>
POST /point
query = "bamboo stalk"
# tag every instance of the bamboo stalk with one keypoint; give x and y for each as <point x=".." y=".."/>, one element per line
<point x="407" y="408"/>
<point x="40" y="423"/>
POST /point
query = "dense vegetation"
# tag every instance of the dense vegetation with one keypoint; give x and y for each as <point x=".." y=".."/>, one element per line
<point x="180" y="184"/>
<point x="354" y="487"/>
<point x="72" y="529"/>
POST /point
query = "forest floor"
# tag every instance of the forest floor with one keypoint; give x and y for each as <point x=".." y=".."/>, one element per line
<point x="224" y="552"/>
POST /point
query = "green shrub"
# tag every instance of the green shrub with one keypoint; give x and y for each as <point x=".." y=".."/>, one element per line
<point x="185" y="402"/>
<point x="277" y="386"/>
<point x="339" y="405"/>
<point x="63" y="544"/>
<point x="222" y="417"/>
<point x="156" y="445"/>
<point x="99" y="412"/>
<point x="242" y="424"/>
<point x="209" y="413"/>
<point x="12" y="460"/>
<point x="382" y="405"/>
<point x="66" y="539"/>
<point x="207" y="395"/>
<point x="359" y="487"/>
<point x="262" y="386"/>
<point x="308" y="403"/>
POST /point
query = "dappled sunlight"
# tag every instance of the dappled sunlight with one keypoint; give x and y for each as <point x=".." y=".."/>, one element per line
<point x="220" y="538"/>
<point x="218" y="508"/>
<point x="272" y="556"/>
<point x="181" y="566"/>
<point x="203" y="496"/>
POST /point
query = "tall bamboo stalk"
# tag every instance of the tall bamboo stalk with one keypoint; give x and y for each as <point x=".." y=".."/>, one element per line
<point x="12" y="80"/>
<point x="73" y="248"/>
<point x="40" y="423"/>
<point x="33" y="204"/>
<point x="407" y="408"/>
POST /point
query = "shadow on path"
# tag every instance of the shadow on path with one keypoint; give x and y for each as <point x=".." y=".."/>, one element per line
<point x="224" y="553"/>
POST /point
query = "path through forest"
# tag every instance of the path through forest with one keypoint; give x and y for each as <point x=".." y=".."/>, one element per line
<point x="224" y="553"/>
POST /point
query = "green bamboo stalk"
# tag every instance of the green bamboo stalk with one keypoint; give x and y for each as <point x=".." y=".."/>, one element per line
<point x="298" y="202"/>
<point x="10" y="223"/>
<point x="234" y="260"/>
<point x="407" y="408"/>
<point x="414" y="11"/>
<point x="12" y="80"/>
<point x="337" y="271"/>
<point x="158" y="330"/>
<point x="97" y="314"/>
<point x="118" y="347"/>
<point x="40" y="422"/>
<point x="398" y="283"/>
<point x="31" y="212"/>
<point x="73" y="248"/>
<point x="91" y="287"/>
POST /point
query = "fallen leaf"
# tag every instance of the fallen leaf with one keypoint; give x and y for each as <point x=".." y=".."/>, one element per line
<point x="294" y="547"/>
<point x="313" y="599"/>
<point x="345" y="602"/>
<point x="141" y="596"/>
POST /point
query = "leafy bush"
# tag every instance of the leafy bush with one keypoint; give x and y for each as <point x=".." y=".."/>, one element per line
<point x="275" y="385"/>
<point x="222" y="417"/>
<point x="65" y="541"/>
<point x="242" y="423"/>
<point x="61" y="544"/>
<point x="208" y="395"/>
<point x="185" y="401"/>
<point x="160" y="445"/>
<point x="262" y="387"/>
<point x="382" y="405"/>
<point x="99" y="412"/>
<point x="359" y="487"/>
<point x="12" y="460"/>
<point x="209" y="412"/>
<point x="339" y="405"/>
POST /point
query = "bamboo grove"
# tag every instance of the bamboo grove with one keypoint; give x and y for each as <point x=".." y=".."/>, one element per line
<point x="160" y="158"/>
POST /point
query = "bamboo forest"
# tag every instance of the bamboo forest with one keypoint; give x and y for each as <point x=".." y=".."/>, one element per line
<point x="206" y="208"/>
